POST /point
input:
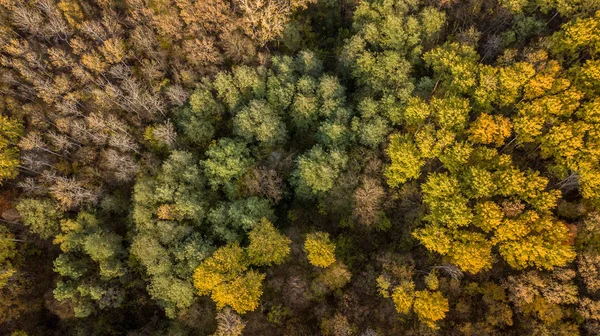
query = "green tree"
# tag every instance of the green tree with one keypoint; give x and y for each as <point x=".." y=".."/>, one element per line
<point x="199" y="119"/>
<point x="267" y="245"/>
<point x="230" y="220"/>
<point x="41" y="216"/>
<point x="258" y="121"/>
<point x="455" y="65"/>
<point x="90" y="265"/>
<point x="227" y="160"/>
<point x="167" y="206"/>
<point x="318" y="169"/>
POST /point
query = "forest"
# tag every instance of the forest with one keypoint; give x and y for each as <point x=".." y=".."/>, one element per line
<point x="300" y="167"/>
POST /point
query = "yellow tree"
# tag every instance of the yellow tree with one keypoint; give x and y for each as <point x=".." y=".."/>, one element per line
<point x="222" y="273"/>
<point x="320" y="250"/>
<point x="489" y="129"/>
<point x="430" y="307"/>
<point x="406" y="160"/>
<point x="226" y="275"/>
<point x="10" y="132"/>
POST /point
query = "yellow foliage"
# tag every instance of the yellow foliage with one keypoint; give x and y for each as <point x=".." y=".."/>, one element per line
<point x="543" y="81"/>
<point x="515" y="6"/>
<point x="579" y="34"/>
<point x="10" y="132"/>
<point x="434" y="238"/>
<point x="481" y="182"/>
<point x="512" y="80"/>
<point x="544" y="310"/>
<point x="562" y="141"/>
<point x="226" y="277"/>
<point x="167" y="212"/>
<point x="402" y="295"/>
<point x="431" y="280"/>
<point x="430" y="307"/>
<point x="488" y="129"/>
<point x="406" y="161"/>
<point x="72" y="12"/>
<point x="528" y="127"/>
<point x="383" y="286"/>
<point x="545" y="247"/>
<point x="242" y="294"/>
<point x="320" y="250"/>
<point x="113" y="50"/>
<point x="590" y="184"/>
<point x="471" y="251"/>
<point x="510" y="181"/>
<point x="513" y="229"/>
<point x="488" y="216"/>
<point x="487" y="88"/>
<point x="67" y="227"/>
<point x="205" y="280"/>
<point x="94" y="62"/>
<point x="416" y="112"/>
<point x="226" y="264"/>
<point x="451" y="113"/>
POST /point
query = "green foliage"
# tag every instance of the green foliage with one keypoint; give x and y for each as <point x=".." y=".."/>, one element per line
<point x="371" y="127"/>
<point x="199" y="120"/>
<point x="89" y="282"/>
<point x="318" y="169"/>
<point x="229" y="220"/>
<point x="227" y="160"/>
<point x="41" y="216"/>
<point x="267" y="245"/>
<point x="166" y="209"/>
<point x="466" y="133"/>
<point x="258" y="121"/>
<point x="455" y="65"/>
<point x="390" y="36"/>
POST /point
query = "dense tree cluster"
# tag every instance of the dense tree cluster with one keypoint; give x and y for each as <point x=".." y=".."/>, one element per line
<point x="300" y="167"/>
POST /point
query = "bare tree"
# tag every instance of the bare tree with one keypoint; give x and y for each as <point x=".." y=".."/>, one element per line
<point x="35" y="161"/>
<point x="122" y="166"/>
<point x="95" y="30"/>
<point x="264" y="182"/>
<point x="368" y="199"/>
<point x="123" y="142"/>
<point x="72" y="193"/>
<point x="177" y="95"/>
<point x="165" y="133"/>
<point x="265" y="19"/>
<point x="34" y="141"/>
<point x="28" y="19"/>
<point x="61" y="142"/>
<point x="31" y="187"/>
<point x="57" y="26"/>
<point x="229" y="323"/>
